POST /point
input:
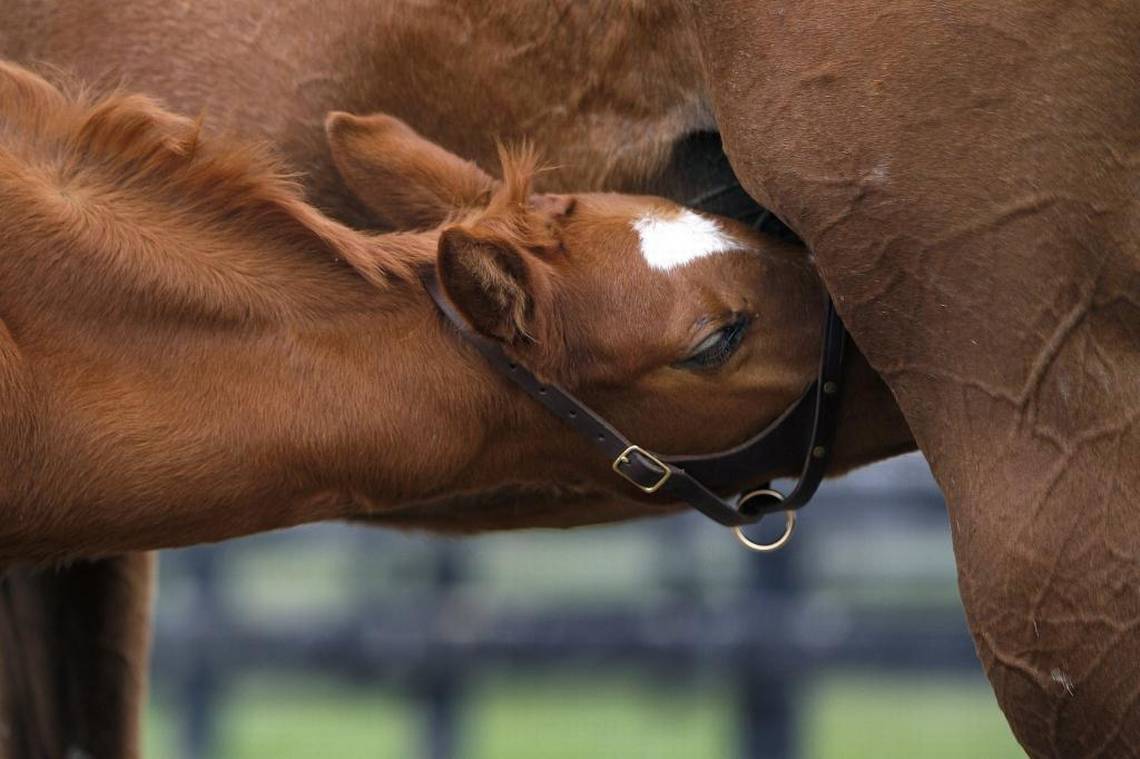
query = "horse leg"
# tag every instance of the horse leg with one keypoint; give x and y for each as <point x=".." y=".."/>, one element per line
<point x="967" y="178"/>
<point x="73" y="658"/>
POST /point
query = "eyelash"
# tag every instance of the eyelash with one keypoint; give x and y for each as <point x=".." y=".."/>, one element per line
<point x="720" y="351"/>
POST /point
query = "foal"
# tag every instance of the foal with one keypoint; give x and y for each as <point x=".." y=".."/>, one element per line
<point x="190" y="353"/>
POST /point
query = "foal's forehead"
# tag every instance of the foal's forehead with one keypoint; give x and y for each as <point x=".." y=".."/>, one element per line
<point x="665" y="236"/>
<point x="672" y="238"/>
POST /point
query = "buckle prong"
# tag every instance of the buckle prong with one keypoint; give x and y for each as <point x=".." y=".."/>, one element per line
<point x="623" y="459"/>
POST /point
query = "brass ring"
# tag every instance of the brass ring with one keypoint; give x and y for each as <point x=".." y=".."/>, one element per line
<point x="789" y="525"/>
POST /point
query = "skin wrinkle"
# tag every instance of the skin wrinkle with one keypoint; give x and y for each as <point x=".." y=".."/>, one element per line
<point x="1054" y="565"/>
<point x="1009" y="212"/>
<point x="1046" y="489"/>
<point x="1012" y="661"/>
<point x="991" y="391"/>
<point x="931" y="280"/>
<point x="1051" y="348"/>
<point x="1115" y="730"/>
<point x="1047" y="583"/>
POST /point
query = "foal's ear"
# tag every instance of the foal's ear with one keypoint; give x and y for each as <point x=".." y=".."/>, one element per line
<point x="407" y="181"/>
<point x="554" y="207"/>
<point x="493" y="283"/>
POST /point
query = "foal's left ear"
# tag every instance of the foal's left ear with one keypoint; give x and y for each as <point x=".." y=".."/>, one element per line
<point x="407" y="181"/>
<point x="496" y="285"/>
<point x="554" y="207"/>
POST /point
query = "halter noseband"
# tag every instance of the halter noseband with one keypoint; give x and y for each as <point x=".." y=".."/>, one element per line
<point x="804" y="432"/>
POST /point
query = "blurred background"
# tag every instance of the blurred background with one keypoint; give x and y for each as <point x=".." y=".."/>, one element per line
<point x="658" y="639"/>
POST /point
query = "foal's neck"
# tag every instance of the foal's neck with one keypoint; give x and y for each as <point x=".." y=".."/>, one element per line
<point x="151" y="433"/>
<point x="188" y="352"/>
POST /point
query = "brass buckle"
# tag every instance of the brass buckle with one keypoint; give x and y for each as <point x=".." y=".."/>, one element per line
<point x="623" y="458"/>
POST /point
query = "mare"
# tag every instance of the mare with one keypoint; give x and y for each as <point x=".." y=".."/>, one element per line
<point x="190" y="352"/>
<point x="965" y="176"/>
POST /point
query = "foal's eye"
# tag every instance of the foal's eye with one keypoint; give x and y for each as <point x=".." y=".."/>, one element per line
<point x="716" y="349"/>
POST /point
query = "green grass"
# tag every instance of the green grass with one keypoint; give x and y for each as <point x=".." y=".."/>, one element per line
<point x="603" y="717"/>
<point x="159" y="731"/>
<point x="286" y="717"/>
<point x="268" y="718"/>
<point x="851" y="716"/>
<point x="600" y="715"/>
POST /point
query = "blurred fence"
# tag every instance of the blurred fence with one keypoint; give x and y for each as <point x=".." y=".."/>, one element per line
<point x="416" y="611"/>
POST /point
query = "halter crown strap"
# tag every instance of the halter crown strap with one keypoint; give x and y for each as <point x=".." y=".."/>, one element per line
<point x="675" y="476"/>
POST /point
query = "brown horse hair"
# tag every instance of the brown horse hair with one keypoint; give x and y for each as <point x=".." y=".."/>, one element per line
<point x="132" y="140"/>
<point x="509" y="216"/>
<point x="231" y="180"/>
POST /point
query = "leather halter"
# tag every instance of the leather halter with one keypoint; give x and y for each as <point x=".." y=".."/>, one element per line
<point x="804" y="432"/>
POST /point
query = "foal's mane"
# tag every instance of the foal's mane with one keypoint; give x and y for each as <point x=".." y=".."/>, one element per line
<point x="201" y="223"/>
<point x="510" y="215"/>
<point x="128" y="148"/>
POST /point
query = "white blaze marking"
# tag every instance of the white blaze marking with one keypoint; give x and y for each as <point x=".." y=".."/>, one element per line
<point x="669" y="242"/>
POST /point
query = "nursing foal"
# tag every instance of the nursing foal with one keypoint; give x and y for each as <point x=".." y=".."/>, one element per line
<point x="190" y="353"/>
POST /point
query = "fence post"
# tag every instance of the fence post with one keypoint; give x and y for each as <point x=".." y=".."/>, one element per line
<point x="444" y="686"/>
<point x="767" y="694"/>
<point x="200" y="685"/>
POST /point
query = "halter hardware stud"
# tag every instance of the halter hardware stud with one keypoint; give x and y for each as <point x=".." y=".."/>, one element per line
<point x="623" y="460"/>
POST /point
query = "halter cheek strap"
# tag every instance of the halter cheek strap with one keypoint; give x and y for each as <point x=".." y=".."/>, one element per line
<point x="809" y="424"/>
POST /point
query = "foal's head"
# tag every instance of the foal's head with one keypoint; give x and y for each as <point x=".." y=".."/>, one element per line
<point x="689" y="332"/>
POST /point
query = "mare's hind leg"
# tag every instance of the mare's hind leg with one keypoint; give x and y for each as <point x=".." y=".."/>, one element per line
<point x="73" y="658"/>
